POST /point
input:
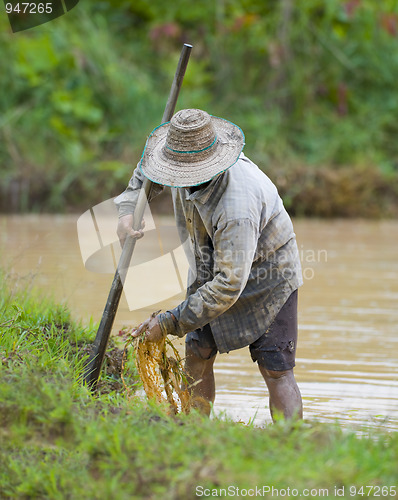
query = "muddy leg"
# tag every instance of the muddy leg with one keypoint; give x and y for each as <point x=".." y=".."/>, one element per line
<point x="284" y="394"/>
<point x="201" y="376"/>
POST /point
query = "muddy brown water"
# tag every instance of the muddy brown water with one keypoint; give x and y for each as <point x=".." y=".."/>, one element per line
<point x="347" y="359"/>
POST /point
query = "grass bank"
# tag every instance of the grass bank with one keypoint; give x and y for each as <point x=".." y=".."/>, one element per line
<point x="59" y="441"/>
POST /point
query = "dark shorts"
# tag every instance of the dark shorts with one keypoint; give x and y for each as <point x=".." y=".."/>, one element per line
<point x="275" y="350"/>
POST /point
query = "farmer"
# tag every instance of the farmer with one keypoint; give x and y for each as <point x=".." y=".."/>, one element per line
<point x="244" y="262"/>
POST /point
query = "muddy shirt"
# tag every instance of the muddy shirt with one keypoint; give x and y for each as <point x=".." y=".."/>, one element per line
<point x="242" y="254"/>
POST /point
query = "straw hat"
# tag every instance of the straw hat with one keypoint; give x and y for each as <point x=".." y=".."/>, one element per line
<point x="191" y="149"/>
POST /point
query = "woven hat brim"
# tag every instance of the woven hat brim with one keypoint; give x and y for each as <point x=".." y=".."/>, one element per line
<point x="195" y="170"/>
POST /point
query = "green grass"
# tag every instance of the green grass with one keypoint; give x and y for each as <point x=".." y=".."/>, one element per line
<point x="60" y="441"/>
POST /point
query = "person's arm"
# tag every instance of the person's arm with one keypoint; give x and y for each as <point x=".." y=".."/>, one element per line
<point x="234" y="248"/>
<point x="126" y="203"/>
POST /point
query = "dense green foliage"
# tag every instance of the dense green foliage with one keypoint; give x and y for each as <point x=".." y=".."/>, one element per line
<point x="59" y="441"/>
<point x="312" y="84"/>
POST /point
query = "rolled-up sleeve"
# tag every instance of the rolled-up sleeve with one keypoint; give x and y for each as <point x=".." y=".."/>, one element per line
<point x="234" y="244"/>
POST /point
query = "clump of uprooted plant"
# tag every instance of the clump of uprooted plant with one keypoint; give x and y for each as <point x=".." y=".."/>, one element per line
<point x="159" y="367"/>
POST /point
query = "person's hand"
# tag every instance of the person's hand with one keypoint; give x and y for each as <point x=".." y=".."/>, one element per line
<point x="125" y="228"/>
<point x="151" y="329"/>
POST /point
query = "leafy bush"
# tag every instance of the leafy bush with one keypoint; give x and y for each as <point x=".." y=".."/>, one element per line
<point x="310" y="83"/>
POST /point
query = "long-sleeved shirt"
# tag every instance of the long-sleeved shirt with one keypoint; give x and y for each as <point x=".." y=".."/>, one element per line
<point x="242" y="252"/>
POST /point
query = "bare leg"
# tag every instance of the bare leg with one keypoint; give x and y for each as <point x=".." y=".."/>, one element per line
<point x="201" y="376"/>
<point x="284" y="394"/>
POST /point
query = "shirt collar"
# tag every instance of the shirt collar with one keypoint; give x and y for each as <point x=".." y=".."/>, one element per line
<point x="203" y="195"/>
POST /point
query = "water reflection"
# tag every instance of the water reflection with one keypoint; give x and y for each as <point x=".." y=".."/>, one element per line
<point x="347" y="366"/>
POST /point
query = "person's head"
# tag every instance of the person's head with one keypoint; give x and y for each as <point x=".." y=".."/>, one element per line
<point x="191" y="149"/>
